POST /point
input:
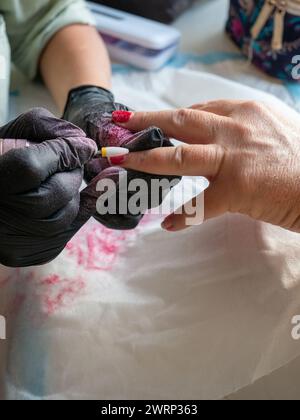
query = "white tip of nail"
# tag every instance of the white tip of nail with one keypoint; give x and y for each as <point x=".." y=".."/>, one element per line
<point x="109" y="152"/>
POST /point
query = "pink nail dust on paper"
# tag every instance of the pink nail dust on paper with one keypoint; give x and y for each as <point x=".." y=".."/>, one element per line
<point x="97" y="248"/>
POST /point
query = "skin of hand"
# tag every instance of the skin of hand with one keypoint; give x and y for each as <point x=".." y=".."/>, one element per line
<point x="249" y="152"/>
<point x="41" y="208"/>
<point x="75" y="56"/>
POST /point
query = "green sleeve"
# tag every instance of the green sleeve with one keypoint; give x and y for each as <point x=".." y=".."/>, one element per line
<point x="31" y="24"/>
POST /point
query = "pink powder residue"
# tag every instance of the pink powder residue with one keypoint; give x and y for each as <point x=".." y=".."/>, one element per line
<point x="41" y="295"/>
<point x="55" y="298"/>
<point x="111" y="134"/>
<point x="97" y="248"/>
<point x="51" y="280"/>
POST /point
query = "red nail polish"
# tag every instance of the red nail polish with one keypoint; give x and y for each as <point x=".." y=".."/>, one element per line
<point x="121" y="116"/>
<point x="167" y="224"/>
<point x="117" y="160"/>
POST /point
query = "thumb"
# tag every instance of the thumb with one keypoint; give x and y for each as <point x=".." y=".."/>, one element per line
<point x="208" y="205"/>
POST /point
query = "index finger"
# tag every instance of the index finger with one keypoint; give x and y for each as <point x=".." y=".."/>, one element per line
<point x="188" y="125"/>
<point x="200" y="160"/>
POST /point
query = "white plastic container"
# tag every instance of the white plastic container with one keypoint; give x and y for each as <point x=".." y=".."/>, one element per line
<point x="135" y="40"/>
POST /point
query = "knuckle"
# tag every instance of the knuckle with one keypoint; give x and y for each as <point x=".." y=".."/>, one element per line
<point x="181" y="157"/>
<point x="144" y="119"/>
<point x="42" y="124"/>
<point x="35" y="115"/>
<point x="38" y="112"/>
<point x="241" y="131"/>
<point x="61" y="191"/>
<point x="181" y="116"/>
<point x="212" y="104"/>
<point x="217" y="158"/>
<point x="33" y="168"/>
<point x="217" y="155"/>
<point x="253" y="106"/>
<point x="27" y="164"/>
<point x="200" y="105"/>
<point x="215" y="128"/>
<point x="140" y="159"/>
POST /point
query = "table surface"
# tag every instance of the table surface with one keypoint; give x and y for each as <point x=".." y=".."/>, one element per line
<point x="202" y="27"/>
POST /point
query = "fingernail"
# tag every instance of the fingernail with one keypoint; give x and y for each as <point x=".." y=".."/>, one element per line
<point x="167" y="224"/>
<point x="117" y="160"/>
<point x="121" y="116"/>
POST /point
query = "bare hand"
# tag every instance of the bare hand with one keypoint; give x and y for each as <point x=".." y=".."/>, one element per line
<point x="249" y="153"/>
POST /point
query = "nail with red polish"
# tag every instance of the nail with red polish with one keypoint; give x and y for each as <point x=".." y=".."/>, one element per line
<point x="117" y="160"/>
<point x="167" y="224"/>
<point x="121" y="117"/>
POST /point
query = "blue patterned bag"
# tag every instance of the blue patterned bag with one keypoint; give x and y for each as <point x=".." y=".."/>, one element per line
<point x="268" y="32"/>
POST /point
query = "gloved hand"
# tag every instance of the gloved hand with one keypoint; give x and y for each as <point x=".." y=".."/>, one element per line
<point x="91" y="108"/>
<point x="40" y="207"/>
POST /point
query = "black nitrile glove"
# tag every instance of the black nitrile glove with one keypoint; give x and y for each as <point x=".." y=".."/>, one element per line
<point x="40" y="207"/>
<point x="91" y="108"/>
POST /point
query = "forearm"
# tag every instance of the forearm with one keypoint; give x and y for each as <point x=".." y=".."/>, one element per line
<point x="75" y="56"/>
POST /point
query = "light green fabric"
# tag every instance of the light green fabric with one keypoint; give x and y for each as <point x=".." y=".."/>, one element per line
<point x="30" y="24"/>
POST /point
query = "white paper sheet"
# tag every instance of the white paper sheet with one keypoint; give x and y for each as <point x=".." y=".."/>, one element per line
<point x="146" y="314"/>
